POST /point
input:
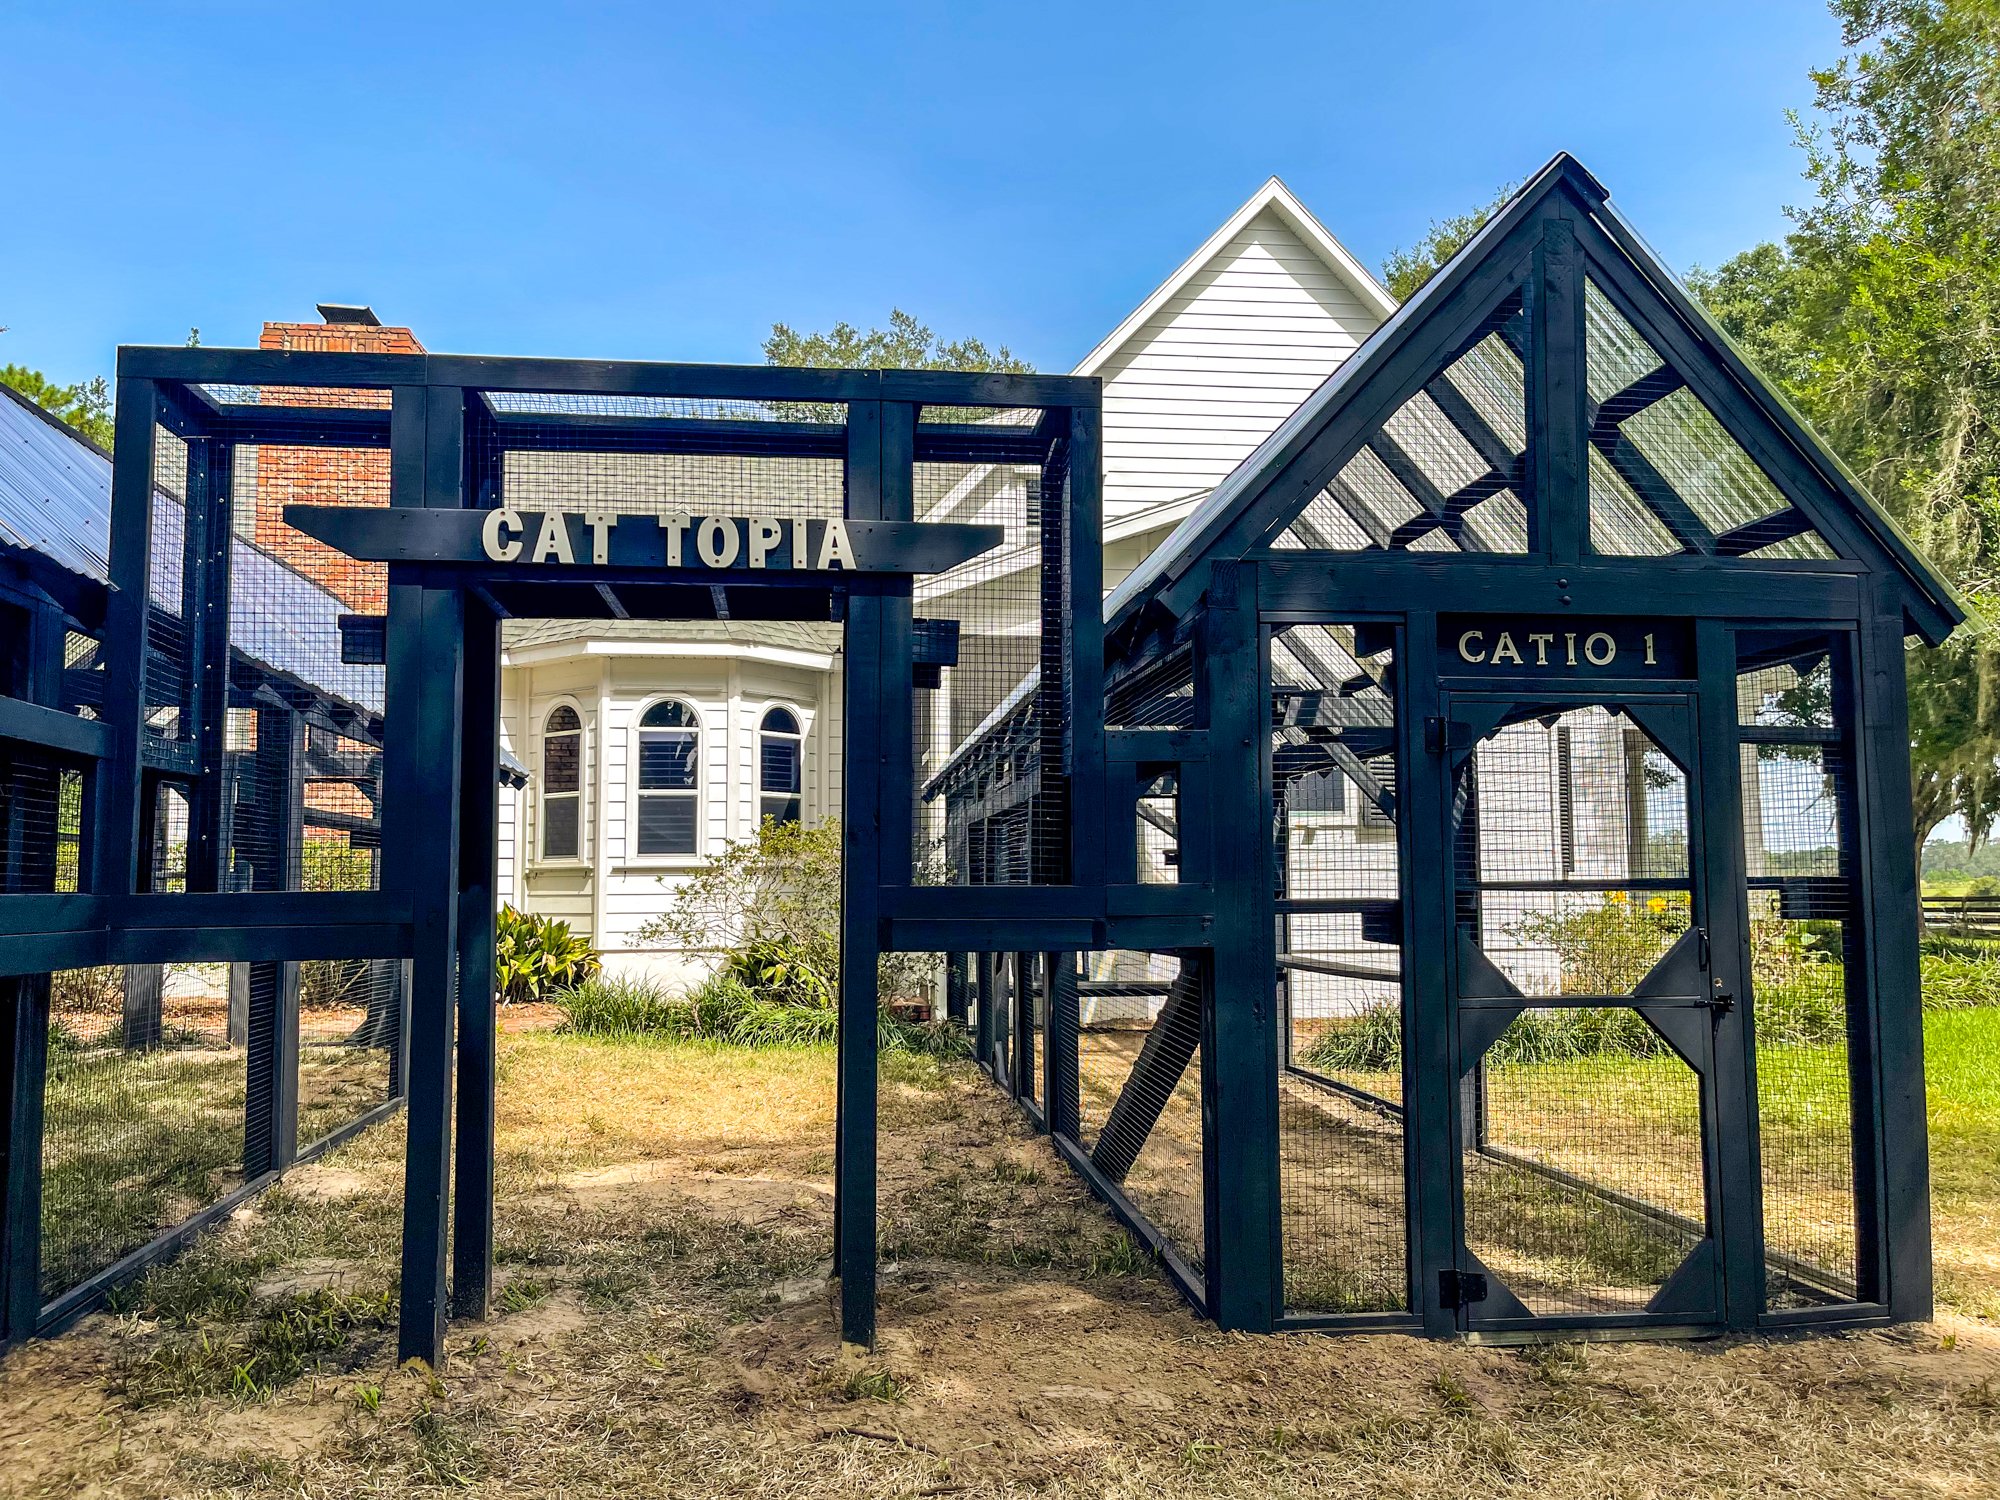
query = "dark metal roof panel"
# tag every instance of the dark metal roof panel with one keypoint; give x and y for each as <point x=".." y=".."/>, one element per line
<point x="55" y="499"/>
<point x="55" y="489"/>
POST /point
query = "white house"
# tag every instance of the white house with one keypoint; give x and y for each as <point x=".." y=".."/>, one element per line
<point x="649" y="745"/>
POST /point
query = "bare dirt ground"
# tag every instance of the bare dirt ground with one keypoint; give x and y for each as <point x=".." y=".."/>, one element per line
<point x="663" y="1327"/>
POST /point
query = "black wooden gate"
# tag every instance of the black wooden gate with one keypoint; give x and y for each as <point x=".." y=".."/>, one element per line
<point x="1583" y="990"/>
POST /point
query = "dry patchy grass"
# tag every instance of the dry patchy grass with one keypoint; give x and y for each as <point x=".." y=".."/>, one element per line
<point x="664" y="1328"/>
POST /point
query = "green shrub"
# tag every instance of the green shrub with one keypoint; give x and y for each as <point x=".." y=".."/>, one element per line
<point x="1370" y="1041"/>
<point x="787" y="971"/>
<point x="619" y="1008"/>
<point x="723" y="1008"/>
<point x="775" y="899"/>
<point x="537" y="957"/>
<point x="332" y="864"/>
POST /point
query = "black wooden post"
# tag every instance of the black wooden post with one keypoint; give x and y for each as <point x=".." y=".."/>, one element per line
<point x="140" y="1027"/>
<point x="985" y="976"/>
<point x="1893" y="1096"/>
<point x="271" y="1114"/>
<point x="421" y="773"/>
<point x="1239" y="1026"/>
<point x="1558" y="435"/>
<point x="479" y="815"/>
<point x="1059" y="1061"/>
<point x="1431" y="1145"/>
<point x="1083" y="628"/>
<point x="24" y="1053"/>
<point x="954" y="987"/>
<point x="275" y="841"/>
<point x="1738" y="1191"/>
<point x="116" y="791"/>
<point x="206" y="598"/>
<point x="863" y="828"/>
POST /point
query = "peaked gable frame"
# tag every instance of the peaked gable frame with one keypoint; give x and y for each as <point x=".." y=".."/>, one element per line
<point x="1528" y="275"/>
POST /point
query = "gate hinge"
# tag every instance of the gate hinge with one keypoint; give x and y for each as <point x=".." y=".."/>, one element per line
<point x="1458" y="1289"/>
<point x="1442" y="734"/>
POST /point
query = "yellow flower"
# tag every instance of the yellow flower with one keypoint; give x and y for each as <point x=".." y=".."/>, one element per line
<point x="1619" y="896"/>
<point x="1658" y="903"/>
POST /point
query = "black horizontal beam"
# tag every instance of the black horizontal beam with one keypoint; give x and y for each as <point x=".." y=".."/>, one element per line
<point x="269" y="367"/>
<point x="992" y="934"/>
<point x="1679" y="585"/>
<point x="244" y="910"/>
<point x="304" y="940"/>
<point x="1152" y="746"/>
<point x="52" y="729"/>
<point x="520" y="430"/>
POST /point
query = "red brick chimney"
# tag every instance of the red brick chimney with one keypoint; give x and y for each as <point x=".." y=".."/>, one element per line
<point x="327" y="476"/>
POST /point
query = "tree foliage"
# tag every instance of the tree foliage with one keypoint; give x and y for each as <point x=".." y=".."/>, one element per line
<point x="1880" y="316"/>
<point x="86" y="406"/>
<point x="905" y="344"/>
<point x="1406" y="270"/>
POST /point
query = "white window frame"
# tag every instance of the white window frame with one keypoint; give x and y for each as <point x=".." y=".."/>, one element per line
<point x="537" y="859"/>
<point x="798" y="739"/>
<point x="637" y="794"/>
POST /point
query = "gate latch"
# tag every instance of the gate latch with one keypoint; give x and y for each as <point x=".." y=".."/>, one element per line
<point x="1458" y="1289"/>
<point x="1719" y="999"/>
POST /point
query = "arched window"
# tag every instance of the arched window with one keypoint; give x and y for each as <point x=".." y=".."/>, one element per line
<point x="562" y="783"/>
<point x="778" y="743"/>
<point x="669" y="778"/>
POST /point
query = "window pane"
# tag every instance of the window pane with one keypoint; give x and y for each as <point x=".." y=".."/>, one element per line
<point x="781" y="721"/>
<point x="666" y="761"/>
<point x="562" y="762"/>
<point x="782" y="809"/>
<point x="666" y="825"/>
<point x="562" y="720"/>
<point x="559" y="827"/>
<point x="780" y="772"/>
<point x="672" y="714"/>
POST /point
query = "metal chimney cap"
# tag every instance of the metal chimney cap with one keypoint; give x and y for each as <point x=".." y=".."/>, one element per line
<point x="341" y="312"/>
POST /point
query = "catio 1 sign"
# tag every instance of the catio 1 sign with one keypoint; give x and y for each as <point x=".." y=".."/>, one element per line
<point x="1558" y="646"/>
<point x="525" y="542"/>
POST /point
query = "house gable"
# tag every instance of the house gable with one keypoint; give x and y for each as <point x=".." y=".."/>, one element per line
<point x="1224" y="350"/>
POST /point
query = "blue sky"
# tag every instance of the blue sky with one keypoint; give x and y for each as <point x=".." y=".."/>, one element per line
<point x="661" y="181"/>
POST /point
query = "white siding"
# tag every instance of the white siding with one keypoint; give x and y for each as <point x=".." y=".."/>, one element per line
<point x="1221" y="363"/>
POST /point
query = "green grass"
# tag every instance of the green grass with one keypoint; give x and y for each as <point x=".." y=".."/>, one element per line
<point x="134" y="1142"/>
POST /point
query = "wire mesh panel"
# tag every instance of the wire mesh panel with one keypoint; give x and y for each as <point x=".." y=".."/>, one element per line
<point x="1665" y="475"/>
<point x="1444" y="472"/>
<point x="41" y="812"/>
<point x="169" y="641"/>
<point x="1139" y="1087"/>
<point x="143" y="1120"/>
<point x="1583" y="1183"/>
<point x="981" y="623"/>
<point x="305" y="712"/>
<point x="1798" y="836"/>
<point x="1572" y="851"/>
<point x="350" y="1033"/>
<point x="1337" y="874"/>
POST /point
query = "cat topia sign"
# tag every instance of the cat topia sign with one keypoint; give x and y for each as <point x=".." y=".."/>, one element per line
<point x="713" y="541"/>
<point x="519" y="542"/>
